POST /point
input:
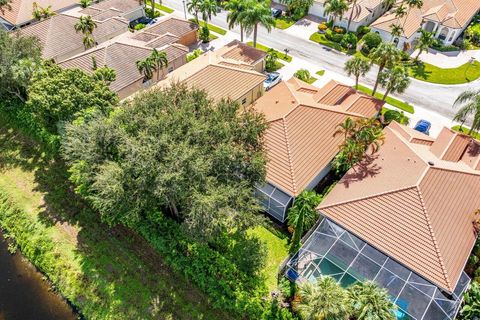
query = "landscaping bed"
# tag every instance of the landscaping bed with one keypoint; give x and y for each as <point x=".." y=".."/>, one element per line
<point x="281" y="55"/>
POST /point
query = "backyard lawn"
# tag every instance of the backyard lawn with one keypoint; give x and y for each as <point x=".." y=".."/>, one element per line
<point x="277" y="251"/>
<point x="281" y="55"/>
<point x="283" y="22"/>
<point x="392" y="101"/>
<point x="430" y="73"/>
<point x="108" y="273"/>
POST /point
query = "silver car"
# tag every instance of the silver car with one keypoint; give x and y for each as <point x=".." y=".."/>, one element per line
<point x="273" y="78"/>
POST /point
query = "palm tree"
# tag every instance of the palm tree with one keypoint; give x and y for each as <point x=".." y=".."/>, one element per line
<point x="193" y="7"/>
<point x="369" y="134"/>
<point x="208" y="8"/>
<point x="336" y="8"/>
<point x="86" y="25"/>
<point x="388" y="3"/>
<point x="257" y="13"/>
<point x="425" y="41"/>
<point x="396" y="30"/>
<point x="347" y="128"/>
<point x="371" y="302"/>
<point x="302" y="216"/>
<point x="395" y="80"/>
<point x="385" y="55"/>
<point x="146" y="67"/>
<point x="88" y="41"/>
<point x="40" y="13"/>
<point x="105" y="74"/>
<point x="160" y="60"/>
<point x="469" y="103"/>
<point x="5" y="5"/>
<point x="325" y="299"/>
<point x="358" y="67"/>
<point x="235" y="8"/>
<point x="85" y="3"/>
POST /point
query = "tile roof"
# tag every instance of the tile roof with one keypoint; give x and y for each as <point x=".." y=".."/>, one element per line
<point x="173" y="26"/>
<point x="300" y="142"/>
<point x="121" y="57"/>
<point x="123" y="6"/>
<point x="414" y="201"/>
<point x="21" y="10"/>
<point x="362" y="9"/>
<point x="241" y="52"/>
<point x="450" y="13"/>
<point x="58" y="36"/>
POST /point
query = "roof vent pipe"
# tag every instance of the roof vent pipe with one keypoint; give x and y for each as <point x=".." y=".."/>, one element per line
<point x="431" y="163"/>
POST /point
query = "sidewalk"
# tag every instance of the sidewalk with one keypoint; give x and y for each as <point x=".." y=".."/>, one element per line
<point x="448" y="59"/>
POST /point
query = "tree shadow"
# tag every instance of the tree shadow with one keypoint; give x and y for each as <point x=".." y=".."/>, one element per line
<point x="105" y="272"/>
<point x="419" y="71"/>
<point x="366" y="168"/>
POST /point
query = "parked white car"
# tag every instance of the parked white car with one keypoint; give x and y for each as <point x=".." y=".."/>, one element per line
<point x="273" y="78"/>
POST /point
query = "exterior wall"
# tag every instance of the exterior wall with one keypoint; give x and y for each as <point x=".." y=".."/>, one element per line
<point x="259" y="66"/>
<point x="317" y="10"/>
<point x="252" y="95"/>
<point x="133" y="15"/>
<point x="189" y="39"/>
<point x="319" y="177"/>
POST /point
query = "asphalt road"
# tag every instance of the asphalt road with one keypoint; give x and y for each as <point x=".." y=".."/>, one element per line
<point x="437" y="98"/>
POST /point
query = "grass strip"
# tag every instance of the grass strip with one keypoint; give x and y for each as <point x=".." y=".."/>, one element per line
<point x="392" y="101"/>
<point x="280" y="55"/>
<point x="211" y="27"/>
<point x="474" y="134"/>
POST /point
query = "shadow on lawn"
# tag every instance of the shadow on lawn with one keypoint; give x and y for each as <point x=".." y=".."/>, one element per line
<point x="418" y="71"/>
<point x="121" y="275"/>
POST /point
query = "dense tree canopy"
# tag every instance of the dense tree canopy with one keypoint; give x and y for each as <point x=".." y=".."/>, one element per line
<point x="59" y="95"/>
<point x="173" y="150"/>
<point x="19" y="58"/>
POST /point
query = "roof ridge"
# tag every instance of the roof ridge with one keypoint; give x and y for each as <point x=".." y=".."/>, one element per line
<point x="366" y="197"/>
<point x="289" y="155"/>
<point x="434" y="240"/>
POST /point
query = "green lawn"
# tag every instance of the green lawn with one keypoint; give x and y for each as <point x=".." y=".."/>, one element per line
<point x="283" y="22"/>
<point x="320" y="73"/>
<point x="212" y="27"/>
<point x="278" y="65"/>
<point x="108" y="273"/>
<point x="465" y="130"/>
<point x="430" y="73"/>
<point x="277" y="249"/>
<point x="281" y="55"/>
<point x="160" y="7"/>
<point x="321" y="39"/>
<point x="392" y="101"/>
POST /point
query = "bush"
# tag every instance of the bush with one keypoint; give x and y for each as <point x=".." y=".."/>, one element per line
<point x="302" y="74"/>
<point x="152" y="13"/>
<point x="194" y="55"/>
<point x="363" y="30"/>
<point x="371" y="40"/>
<point x="339" y="30"/>
<point x="473" y="33"/>
<point x="139" y="26"/>
<point x="322" y="27"/>
<point x="349" y="41"/>
<point x="204" y="34"/>
<point x="332" y="36"/>
<point x="391" y="115"/>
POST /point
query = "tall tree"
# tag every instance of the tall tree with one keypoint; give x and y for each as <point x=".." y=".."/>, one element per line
<point x="193" y="7"/>
<point x="469" y="103"/>
<point x="353" y="4"/>
<point x="235" y="8"/>
<point x="208" y="8"/>
<point x="160" y="60"/>
<point x="171" y="151"/>
<point x="358" y="67"/>
<point x="371" y="302"/>
<point x="40" y="13"/>
<point x="146" y="67"/>
<point x="302" y="216"/>
<point x="297" y="8"/>
<point x="257" y="13"/>
<point x="19" y="56"/>
<point x="394" y="80"/>
<point x="385" y="56"/>
<point x="425" y="41"/>
<point x="325" y="300"/>
<point x="86" y="26"/>
<point x="336" y="8"/>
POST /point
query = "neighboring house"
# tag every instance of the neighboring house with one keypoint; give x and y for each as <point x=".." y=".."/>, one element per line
<point x="122" y="58"/>
<point x="222" y="77"/>
<point x="239" y="52"/>
<point x="59" y="39"/>
<point x="301" y="140"/>
<point x="21" y="12"/>
<point x="103" y="10"/>
<point x="364" y="13"/>
<point x="185" y="31"/>
<point x="403" y="218"/>
<point x="446" y="19"/>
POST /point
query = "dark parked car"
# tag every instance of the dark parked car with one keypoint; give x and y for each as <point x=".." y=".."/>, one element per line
<point x="276" y="13"/>
<point x="423" y="126"/>
<point x="143" y="20"/>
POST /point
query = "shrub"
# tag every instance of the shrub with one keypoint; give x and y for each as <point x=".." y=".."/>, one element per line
<point x="204" y="34"/>
<point x="337" y="37"/>
<point x="349" y="41"/>
<point x="398" y="116"/>
<point x="329" y="34"/>
<point x="302" y="74"/>
<point x="339" y="30"/>
<point x="194" y="55"/>
<point x="473" y="33"/>
<point x="363" y="30"/>
<point x="139" y="26"/>
<point x="371" y="40"/>
<point x="152" y="13"/>
<point x="322" y="27"/>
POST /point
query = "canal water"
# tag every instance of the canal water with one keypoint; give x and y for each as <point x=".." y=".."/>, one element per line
<point x="23" y="293"/>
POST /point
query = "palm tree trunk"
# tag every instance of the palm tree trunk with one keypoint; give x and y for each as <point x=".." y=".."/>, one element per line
<point x="380" y="69"/>
<point x="351" y="15"/>
<point x="255" y="35"/>
<point x="385" y="95"/>
<point x="297" y="233"/>
<point x="241" y="32"/>
<point x="419" y="53"/>
<point x="153" y="8"/>
<point x="356" y="82"/>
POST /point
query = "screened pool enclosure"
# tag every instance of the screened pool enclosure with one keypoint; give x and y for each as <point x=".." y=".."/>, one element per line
<point x="274" y="201"/>
<point x="333" y="251"/>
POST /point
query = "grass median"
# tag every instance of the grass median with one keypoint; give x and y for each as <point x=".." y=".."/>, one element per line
<point x="392" y="101"/>
<point x="281" y="55"/>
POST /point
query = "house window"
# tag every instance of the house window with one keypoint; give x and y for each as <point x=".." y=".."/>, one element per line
<point x="244" y="100"/>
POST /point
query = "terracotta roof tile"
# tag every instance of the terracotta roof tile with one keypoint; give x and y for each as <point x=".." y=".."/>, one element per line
<point x="173" y="26"/>
<point x="21" y="11"/>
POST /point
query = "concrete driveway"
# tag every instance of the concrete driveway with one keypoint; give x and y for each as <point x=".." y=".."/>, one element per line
<point x="304" y="28"/>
